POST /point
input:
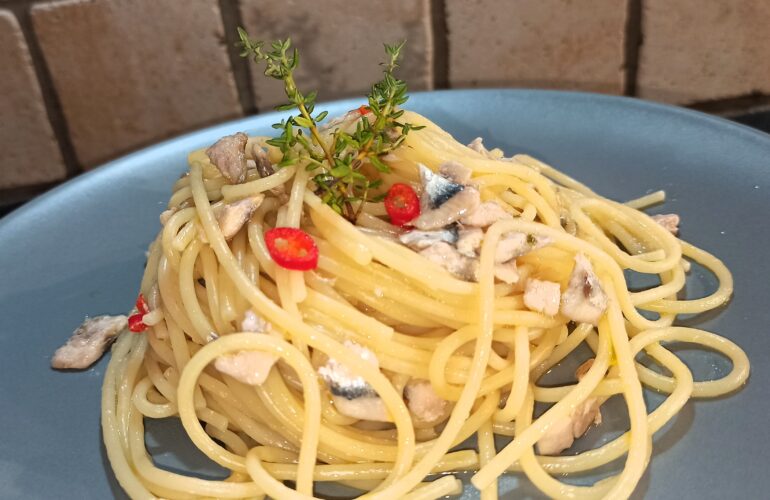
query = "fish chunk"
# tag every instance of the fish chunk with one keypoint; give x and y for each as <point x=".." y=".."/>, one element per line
<point x="347" y="121"/>
<point x="455" y="171"/>
<point x="423" y="239"/>
<point x="252" y="322"/>
<point x="542" y="296"/>
<point x="424" y="404"/>
<point x="669" y="221"/>
<point x="507" y="272"/>
<point x="584" y="301"/>
<point x="513" y="245"/>
<point x="263" y="165"/>
<point x="437" y="189"/>
<point x="485" y="215"/>
<point x="351" y="394"/>
<point x="232" y="216"/>
<point x="88" y="342"/>
<point x="565" y="430"/>
<point x="249" y="367"/>
<point x="443" y="200"/>
<point x="477" y="145"/>
<point x="469" y="241"/>
<point x="228" y="154"/>
<point x="453" y="261"/>
<point x="450" y="211"/>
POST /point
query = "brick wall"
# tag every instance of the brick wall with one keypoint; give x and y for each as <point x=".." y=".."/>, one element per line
<point x="85" y="81"/>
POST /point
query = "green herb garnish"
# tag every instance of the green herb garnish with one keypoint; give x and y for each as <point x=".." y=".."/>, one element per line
<point x="338" y="159"/>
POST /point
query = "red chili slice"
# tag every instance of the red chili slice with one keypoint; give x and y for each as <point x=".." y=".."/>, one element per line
<point x="402" y="204"/>
<point x="292" y="248"/>
<point x="362" y="110"/>
<point x="141" y="304"/>
<point x="135" y="323"/>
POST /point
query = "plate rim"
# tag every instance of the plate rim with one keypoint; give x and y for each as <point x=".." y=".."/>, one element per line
<point x="124" y="161"/>
<point x="178" y="146"/>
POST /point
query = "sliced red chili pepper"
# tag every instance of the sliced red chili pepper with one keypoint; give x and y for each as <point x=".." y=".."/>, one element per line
<point x="362" y="110"/>
<point x="292" y="248"/>
<point x="402" y="204"/>
<point x="141" y="304"/>
<point x="135" y="323"/>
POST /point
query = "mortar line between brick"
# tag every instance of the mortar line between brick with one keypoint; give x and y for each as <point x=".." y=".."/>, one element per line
<point x="231" y="19"/>
<point x="22" y="194"/>
<point x="440" y="44"/>
<point x="50" y="97"/>
<point x="632" y="46"/>
<point x="733" y="105"/>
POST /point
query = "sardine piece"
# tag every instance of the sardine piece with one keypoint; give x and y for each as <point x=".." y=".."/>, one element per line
<point x="450" y="211"/>
<point x="449" y="258"/>
<point x="437" y="189"/>
<point x="514" y="244"/>
<point x="351" y="394"/>
<point x="455" y="172"/>
<point x="249" y="367"/>
<point x="542" y="296"/>
<point x="469" y="241"/>
<point x="669" y="221"/>
<point x="485" y="215"/>
<point x="422" y="239"/>
<point x="424" y="404"/>
<point x="564" y="431"/>
<point x="252" y="322"/>
<point x="232" y="216"/>
<point x="228" y="154"/>
<point x="567" y="222"/>
<point x="345" y="122"/>
<point x="507" y="272"/>
<point x="584" y="301"/>
<point x="477" y="145"/>
<point x="443" y="200"/>
<point x="88" y="342"/>
<point x="264" y="167"/>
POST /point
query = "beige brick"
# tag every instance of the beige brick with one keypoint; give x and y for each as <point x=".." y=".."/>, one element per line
<point x="704" y="50"/>
<point x="340" y="43"/>
<point x="30" y="151"/>
<point x="559" y="44"/>
<point x="132" y="72"/>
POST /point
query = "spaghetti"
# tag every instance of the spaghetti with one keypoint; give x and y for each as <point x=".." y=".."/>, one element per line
<point x="476" y="345"/>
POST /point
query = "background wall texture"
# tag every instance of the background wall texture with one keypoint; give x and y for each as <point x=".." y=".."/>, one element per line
<point x="85" y="81"/>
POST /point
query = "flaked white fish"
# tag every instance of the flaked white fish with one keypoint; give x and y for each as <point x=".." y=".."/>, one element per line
<point x="88" y="342"/>
<point x="351" y="394"/>
<point x="422" y="239"/>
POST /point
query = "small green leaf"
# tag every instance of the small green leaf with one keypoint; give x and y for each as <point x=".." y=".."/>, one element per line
<point x="288" y="161"/>
<point x="379" y="165"/>
<point x="340" y="170"/>
<point x="285" y="107"/>
<point x="303" y="122"/>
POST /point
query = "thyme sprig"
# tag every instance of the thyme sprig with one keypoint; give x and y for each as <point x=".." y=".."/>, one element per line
<point x="338" y="159"/>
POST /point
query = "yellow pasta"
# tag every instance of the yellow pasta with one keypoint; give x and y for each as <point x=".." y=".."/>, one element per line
<point x="477" y="345"/>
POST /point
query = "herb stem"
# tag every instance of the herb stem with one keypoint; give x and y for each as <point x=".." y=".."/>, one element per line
<point x="313" y="129"/>
<point x="341" y="156"/>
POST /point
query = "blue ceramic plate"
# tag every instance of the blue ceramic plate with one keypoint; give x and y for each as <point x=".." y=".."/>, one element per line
<point x="79" y="250"/>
